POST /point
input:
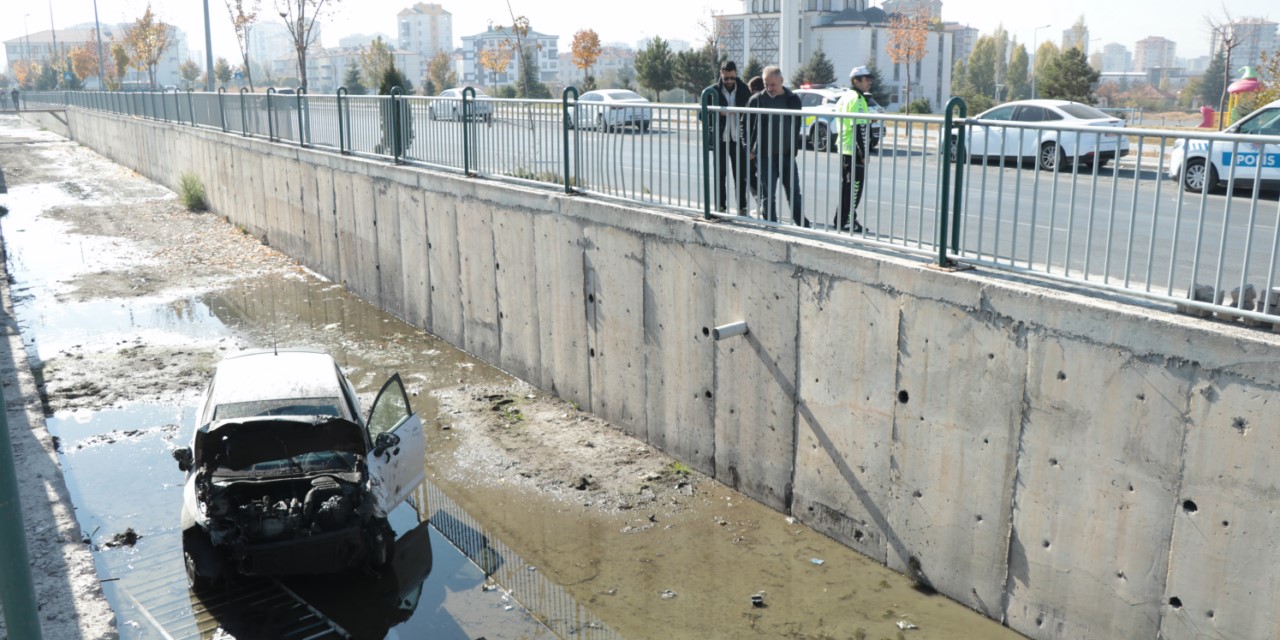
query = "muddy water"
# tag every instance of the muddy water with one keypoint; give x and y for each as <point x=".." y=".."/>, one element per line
<point x="507" y="561"/>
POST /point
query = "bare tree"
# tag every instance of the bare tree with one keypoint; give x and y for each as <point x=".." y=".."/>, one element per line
<point x="1224" y="31"/>
<point x="301" y="16"/>
<point x="242" y="19"/>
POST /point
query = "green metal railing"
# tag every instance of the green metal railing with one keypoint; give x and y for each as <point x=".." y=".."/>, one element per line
<point x="1068" y="220"/>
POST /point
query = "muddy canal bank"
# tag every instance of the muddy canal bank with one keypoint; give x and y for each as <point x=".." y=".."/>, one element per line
<point x="127" y="300"/>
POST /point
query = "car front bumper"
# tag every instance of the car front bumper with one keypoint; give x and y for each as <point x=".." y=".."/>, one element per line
<point x="320" y="553"/>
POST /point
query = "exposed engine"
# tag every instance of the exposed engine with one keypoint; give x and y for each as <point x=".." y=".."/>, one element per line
<point x="265" y="511"/>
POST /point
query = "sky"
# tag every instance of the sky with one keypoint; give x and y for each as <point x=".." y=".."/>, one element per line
<point x="1123" y="21"/>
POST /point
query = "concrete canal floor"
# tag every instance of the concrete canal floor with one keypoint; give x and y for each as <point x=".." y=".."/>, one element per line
<point x="543" y="521"/>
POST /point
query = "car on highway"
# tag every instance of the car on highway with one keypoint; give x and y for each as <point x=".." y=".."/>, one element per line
<point x="448" y="106"/>
<point x="1206" y="165"/>
<point x="611" y="109"/>
<point x="284" y="476"/>
<point x="820" y="128"/>
<point x="998" y="133"/>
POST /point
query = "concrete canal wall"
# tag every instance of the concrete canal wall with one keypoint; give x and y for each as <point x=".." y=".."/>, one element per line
<point x="1077" y="468"/>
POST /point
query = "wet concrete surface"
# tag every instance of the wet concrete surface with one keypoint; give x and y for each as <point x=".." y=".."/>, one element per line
<point x="125" y="336"/>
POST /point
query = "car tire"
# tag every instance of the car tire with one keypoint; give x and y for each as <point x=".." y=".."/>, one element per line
<point x="1051" y="156"/>
<point x="644" y="126"/>
<point x="382" y="543"/>
<point x="568" y="122"/>
<point x="1198" y="176"/>
<point x="600" y="122"/>
<point x="202" y="561"/>
<point x="821" y="137"/>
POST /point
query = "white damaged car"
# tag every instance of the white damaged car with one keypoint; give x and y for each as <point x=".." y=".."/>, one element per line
<point x="285" y="477"/>
<point x="1205" y="164"/>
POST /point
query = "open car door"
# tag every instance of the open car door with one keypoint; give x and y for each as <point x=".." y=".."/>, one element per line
<point x="397" y="463"/>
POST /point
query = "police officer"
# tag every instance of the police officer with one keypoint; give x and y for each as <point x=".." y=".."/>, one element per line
<point x="855" y="139"/>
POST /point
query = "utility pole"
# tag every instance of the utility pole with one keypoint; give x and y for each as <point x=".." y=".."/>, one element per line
<point x="208" y="51"/>
<point x="1035" y="45"/>
<point x="97" y="29"/>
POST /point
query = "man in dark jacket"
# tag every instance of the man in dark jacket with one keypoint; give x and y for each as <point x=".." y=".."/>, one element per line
<point x="773" y="141"/>
<point x="726" y="136"/>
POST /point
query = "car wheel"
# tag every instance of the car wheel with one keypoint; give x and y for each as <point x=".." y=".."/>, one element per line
<point x="1199" y="176"/>
<point x="382" y="543"/>
<point x="568" y="122"/>
<point x="821" y="137"/>
<point x="203" y="563"/>
<point x="644" y="126"/>
<point x="1051" y="156"/>
<point x="599" y="122"/>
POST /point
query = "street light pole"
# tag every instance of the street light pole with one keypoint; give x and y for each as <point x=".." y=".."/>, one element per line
<point x="97" y="29"/>
<point x="1035" y="46"/>
<point x="208" y="51"/>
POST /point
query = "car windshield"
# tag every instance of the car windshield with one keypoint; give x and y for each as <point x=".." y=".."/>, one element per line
<point x="1083" y="112"/>
<point x="281" y="407"/>
<point x="1265" y="122"/>
<point x="304" y="463"/>
<point x="623" y="95"/>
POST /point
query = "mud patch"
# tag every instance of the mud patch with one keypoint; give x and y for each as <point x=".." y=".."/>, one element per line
<point x="80" y="378"/>
<point x="515" y="436"/>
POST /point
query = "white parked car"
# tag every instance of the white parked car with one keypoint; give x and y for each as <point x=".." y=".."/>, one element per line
<point x="1202" y="164"/>
<point x="285" y="477"/>
<point x="998" y="134"/>
<point x="611" y="109"/>
<point x="448" y="106"/>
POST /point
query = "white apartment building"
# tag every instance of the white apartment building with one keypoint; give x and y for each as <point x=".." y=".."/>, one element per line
<point x="851" y="34"/>
<point x="1254" y="36"/>
<point x="1077" y="37"/>
<point x="1116" y="58"/>
<point x="327" y="68"/>
<point x="1154" y="52"/>
<point x="425" y="28"/>
<point x="269" y="42"/>
<point x="544" y="47"/>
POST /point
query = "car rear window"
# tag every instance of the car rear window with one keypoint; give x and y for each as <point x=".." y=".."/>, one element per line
<point x="283" y="407"/>
<point x="1083" y="112"/>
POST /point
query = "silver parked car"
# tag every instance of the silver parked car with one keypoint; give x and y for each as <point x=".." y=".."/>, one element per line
<point x="448" y="106"/>
<point x="998" y="134"/>
<point x="285" y="477"/>
<point x="612" y="109"/>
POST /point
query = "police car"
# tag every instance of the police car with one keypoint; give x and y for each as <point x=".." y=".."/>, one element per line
<point x="820" y="128"/>
<point x="1205" y="164"/>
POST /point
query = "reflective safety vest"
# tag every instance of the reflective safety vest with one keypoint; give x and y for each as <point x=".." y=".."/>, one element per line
<point x="853" y="102"/>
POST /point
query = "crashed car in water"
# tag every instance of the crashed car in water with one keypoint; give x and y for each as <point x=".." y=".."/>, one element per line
<point x="285" y="477"/>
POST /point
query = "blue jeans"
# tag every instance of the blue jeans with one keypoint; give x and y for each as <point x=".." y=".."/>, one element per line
<point x="772" y="169"/>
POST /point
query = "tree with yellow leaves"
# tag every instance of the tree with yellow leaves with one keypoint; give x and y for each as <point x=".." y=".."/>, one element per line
<point x="586" y="50"/>
<point x="84" y="61"/>
<point x="495" y="60"/>
<point x="908" y="41"/>
<point x="146" y="41"/>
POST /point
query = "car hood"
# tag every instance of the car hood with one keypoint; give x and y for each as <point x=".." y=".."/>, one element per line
<point x="238" y="444"/>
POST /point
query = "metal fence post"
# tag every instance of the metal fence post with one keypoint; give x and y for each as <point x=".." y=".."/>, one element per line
<point x="564" y="124"/>
<point x="17" y="592"/>
<point x="302" y="131"/>
<point x="342" y="136"/>
<point x="222" y="111"/>
<point x="244" y="120"/>
<point x="953" y="156"/>
<point x="271" y="121"/>
<point x="707" y="132"/>
<point x="397" y="143"/>
<point x="191" y="108"/>
<point x="466" y="128"/>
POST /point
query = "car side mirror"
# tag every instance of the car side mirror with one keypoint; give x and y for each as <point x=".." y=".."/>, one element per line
<point x="184" y="458"/>
<point x="385" y="441"/>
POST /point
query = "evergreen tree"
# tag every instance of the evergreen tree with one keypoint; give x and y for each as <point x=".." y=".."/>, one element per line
<point x="696" y="68"/>
<point x="393" y="77"/>
<point x="1069" y="77"/>
<point x="1213" y="80"/>
<point x="391" y="143"/>
<point x="530" y="86"/>
<point x="982" y="67"/>
<point x="879" y="92"/>
<point x="222" y="71"/>
<point x="352" y="80"/>
<point x="753" y="69"/>
<point x="654" y="67"/>
<point x="817" y="70"/>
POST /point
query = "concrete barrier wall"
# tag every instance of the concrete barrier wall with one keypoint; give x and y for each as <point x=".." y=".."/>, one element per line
<point x="1076" y="468"/>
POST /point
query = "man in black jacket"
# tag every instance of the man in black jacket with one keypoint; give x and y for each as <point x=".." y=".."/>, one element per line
<point x="726" y="136"/>
<point x="773" y="141"/>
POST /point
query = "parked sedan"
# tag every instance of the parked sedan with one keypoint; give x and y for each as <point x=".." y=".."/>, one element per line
<point x="1204" y="164"/>
<point x="285" y="477"/>
<point x="820" y="128"/>
<point x="612" y="109"/>
<point x="448" y="105"/>
<point x="999" y="133"/>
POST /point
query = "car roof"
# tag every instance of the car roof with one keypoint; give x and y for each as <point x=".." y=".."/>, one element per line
<point x="275" y="374"/>
<point x="829" y="92"/>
